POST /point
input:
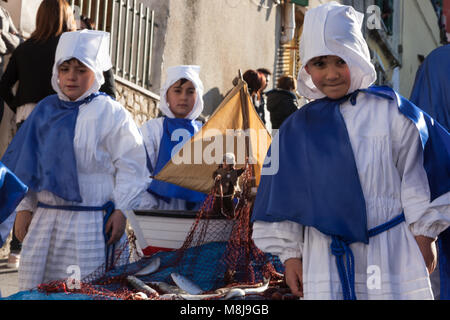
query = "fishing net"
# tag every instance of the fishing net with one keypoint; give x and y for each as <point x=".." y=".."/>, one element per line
<point x="218" y="252"/>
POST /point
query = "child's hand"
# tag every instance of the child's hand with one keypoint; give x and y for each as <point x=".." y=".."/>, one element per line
<point x="116" y="226"/>
<point x="294" y="275"/>
<point x="427" y="247"/>
<point x="23" y="220"/>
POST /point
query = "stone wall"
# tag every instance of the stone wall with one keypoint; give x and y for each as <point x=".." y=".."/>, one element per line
<point x="142" y="106"/>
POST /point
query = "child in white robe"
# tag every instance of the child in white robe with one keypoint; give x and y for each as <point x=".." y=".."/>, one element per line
<point x="387" y="150"/>
<point x="181" y="104"/>
<point x="67" y="231"/>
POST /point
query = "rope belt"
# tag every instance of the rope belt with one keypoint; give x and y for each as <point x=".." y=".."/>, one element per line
<point x="108" y="207"/>
<point x="346" y="271"/>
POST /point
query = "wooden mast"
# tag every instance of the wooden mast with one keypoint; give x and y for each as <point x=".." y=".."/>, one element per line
<point x="246" y="121"/>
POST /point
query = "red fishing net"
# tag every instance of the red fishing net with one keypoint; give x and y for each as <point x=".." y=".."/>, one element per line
<point x="218" y="252"/>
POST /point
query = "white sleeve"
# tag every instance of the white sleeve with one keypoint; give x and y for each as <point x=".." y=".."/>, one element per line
<point x="152" y="132"/>
<point x="28" y="203"/>
<point x="125" y="145"/>
<point x="283" y="239"/>
<point x="424" y="218"/>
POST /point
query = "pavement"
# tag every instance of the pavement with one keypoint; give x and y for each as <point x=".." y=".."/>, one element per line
<point x="8" y="276"/>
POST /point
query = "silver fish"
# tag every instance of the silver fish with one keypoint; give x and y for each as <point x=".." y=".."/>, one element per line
<point x="141" y="286"/>
<point x="140" y="296"/>
<point x="219" y="296"/>
<point x="249" y="289"/>
<point x="164" y="288"/>
<point x="222" y="294"/>
<point x="186" y="284"/>
<point x="253" y="290"/>
<point x="150" y="268"/>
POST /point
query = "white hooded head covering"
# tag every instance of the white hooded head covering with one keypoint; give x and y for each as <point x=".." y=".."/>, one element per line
<point x="91" y="48"/>
<point x="335" y="29"/>
<point x="174" y="74"/>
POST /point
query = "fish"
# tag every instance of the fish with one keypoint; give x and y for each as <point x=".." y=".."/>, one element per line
<point x="141" y="286"/>
<point x="140" y="296"/>
<point x="163" y="287"/>
<point x="222" y="294"/>
<point x="259" y="287"/>
<point x="186" y="284"/>
<point x="206" y="296"/>
<point x="149" y="268"/>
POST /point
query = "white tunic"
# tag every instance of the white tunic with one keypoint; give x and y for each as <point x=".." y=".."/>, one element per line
<point x="152" y="132"/>
<point x="111" y="165"/>
<point x="389" y="159"/>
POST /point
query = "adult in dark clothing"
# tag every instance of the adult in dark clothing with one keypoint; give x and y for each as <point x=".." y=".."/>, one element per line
<point x="256" y="82"/>
<point x="282" y="101"/>
<point x="31" y="66"/>
<point x="109" y="87"/>
<point x="32" y="62"/>
<point x="9" y="40"/>
<point x="263" y="101"/>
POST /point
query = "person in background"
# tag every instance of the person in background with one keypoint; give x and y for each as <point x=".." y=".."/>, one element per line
<point x="282" y="101"/>
<point x="255" y="82"/>
<point x="31" y="66"/>
<point x="263" y="104"/>
<point x="9" y="40"/>
<point x="267" y="74"/>
<point x="109" y="87"/>
<point x="431" y="93"/>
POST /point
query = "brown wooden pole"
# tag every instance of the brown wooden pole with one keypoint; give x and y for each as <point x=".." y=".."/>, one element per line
<point x="246" y="121"/>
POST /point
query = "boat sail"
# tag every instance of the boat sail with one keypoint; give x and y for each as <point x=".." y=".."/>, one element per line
<point x="234" y="127"/>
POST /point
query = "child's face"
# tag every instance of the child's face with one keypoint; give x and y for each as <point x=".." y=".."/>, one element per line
<point x="331" y="75"/>
<point x="74" y="78"/>
<point x="181" y="98"/>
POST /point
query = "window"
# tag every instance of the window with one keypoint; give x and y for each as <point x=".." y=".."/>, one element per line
<point x="387" y="9"/>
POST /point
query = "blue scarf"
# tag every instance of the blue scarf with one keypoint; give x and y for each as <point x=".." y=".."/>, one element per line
<point x="162" y="189"/>
<point x="42" y="153"/>
<point x="317" y="184"/>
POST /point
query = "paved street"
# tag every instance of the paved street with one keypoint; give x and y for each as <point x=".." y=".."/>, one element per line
<point x="8" y="276"/>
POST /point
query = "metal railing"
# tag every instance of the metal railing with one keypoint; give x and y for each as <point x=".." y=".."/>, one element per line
<point x="131" y="27"/>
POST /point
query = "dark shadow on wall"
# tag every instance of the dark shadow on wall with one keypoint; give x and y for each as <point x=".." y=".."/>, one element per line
<point x="211" y="100"/>
<point x="267" y="5"/>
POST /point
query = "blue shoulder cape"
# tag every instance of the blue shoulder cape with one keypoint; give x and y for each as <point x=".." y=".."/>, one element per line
<point x="12" y="191"/>
<point x="431" y="93"/>
<point x="162" y="189"/>
<point x="431" y="90"/>
<point x="317" y="184"/>
<point x="42" y="154"/>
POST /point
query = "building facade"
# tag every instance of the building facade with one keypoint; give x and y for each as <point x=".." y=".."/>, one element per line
<point x="225" y="36"/>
